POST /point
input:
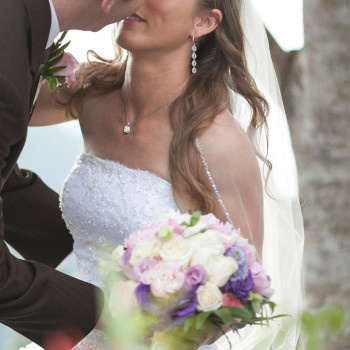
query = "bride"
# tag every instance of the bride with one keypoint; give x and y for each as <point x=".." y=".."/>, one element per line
<point x="181" y="123"/>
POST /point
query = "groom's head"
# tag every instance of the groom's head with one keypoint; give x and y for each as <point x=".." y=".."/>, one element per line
<point x="92" y="14"/>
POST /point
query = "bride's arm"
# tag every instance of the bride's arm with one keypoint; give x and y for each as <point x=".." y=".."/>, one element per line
<point x="235" y="171"/>
<point x="46" y="111"/>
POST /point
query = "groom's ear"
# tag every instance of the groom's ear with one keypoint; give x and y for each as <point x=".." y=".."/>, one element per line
<point x="107" y="5"/>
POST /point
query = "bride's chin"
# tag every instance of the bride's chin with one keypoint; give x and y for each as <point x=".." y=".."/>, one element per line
<point x="127" y="42"/>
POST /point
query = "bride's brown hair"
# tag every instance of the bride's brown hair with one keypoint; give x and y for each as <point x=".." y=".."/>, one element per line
<point x="221" y="67"/>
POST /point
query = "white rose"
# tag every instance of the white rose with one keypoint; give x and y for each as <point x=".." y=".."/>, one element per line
<point x="218" y="267"/>
<point x="209" y="297"/>
<point x="209" y="239"/>
<point x="147" y="249"/>
<point x="173" y="214"/>
<point x="221" y="269"/>
<point x="195" y="229"/>
<point x="177" y="250"/>
<point x="241" y="242"/>
<point x="123" y="296"/>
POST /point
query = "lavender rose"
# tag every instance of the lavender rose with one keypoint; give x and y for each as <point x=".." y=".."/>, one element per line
<point x="195" y="276"/>
<point x="262" y="282"/>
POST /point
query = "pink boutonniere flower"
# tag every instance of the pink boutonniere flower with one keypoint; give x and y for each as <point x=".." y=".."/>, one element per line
<point x="61" y="66"/>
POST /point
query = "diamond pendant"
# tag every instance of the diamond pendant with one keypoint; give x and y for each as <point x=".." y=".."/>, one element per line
<point x="127" y="129"/>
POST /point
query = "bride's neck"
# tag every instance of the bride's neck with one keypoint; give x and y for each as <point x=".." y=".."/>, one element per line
<point x="152" y="80"/>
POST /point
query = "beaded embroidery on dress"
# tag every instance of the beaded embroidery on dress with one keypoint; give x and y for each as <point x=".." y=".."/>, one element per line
<point x="102" y="202"/>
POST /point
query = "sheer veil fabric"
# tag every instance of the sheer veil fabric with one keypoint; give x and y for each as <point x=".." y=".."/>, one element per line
<point x="283" y="225"/>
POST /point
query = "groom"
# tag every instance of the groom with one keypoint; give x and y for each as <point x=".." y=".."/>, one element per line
<point x="36" y="300"/>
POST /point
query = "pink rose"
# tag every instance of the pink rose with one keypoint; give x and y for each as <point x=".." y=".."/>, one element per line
<point x="140" y="236"/>
<point x="164" y="278"/>
<point x="69" y="72"/>
<point x="262" y="282"/>
<point x="229" y="237"/>
<point x="251" y="255"/>
<point x="125" y="266"/>
<point x="174" y="226"/>
<point x="142" y="266"/>
<point x="231" y="300"/>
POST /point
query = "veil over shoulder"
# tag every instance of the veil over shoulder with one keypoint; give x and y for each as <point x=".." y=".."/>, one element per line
<point x="283" y="225"/>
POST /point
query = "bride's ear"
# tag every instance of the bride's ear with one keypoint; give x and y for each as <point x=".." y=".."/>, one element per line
<point x="207" y="22"/>
<point x="107" y="5"/>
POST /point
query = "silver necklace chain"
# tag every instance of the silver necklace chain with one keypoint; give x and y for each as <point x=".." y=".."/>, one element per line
<point x="127" y="127"/>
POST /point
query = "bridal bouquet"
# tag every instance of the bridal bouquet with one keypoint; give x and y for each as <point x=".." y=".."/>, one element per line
<point x="188" y="277"/>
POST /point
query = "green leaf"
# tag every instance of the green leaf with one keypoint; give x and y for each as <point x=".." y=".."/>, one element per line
<point x="254" y="296"/>
<point x="52" y="71"/>
<point x="240" y="312"/>
<point x="61" y="79"/>
<point x="62" y="37"/>
<point x="189" y="323"/>
<point x="59" y="50"/>
<point x="225" y="315"/>
<point x="54" y="61"/>
<point x="195" y="218"/>
<point x="201" y="318"/>
<point x="52" y="83"/>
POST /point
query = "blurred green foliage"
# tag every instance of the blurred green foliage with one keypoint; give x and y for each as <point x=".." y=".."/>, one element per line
<point x="317" y="324"/>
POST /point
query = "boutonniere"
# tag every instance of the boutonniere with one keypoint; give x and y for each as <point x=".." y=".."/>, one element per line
<point x="61" y="66"/>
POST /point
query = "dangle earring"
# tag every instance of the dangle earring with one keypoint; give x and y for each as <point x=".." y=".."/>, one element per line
<point x="194" y="55"/>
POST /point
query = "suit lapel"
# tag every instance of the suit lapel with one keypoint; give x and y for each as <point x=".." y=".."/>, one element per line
<point x="40" y="21"/>
<point x="36" y="79"/>
<point x="39" y="13"/>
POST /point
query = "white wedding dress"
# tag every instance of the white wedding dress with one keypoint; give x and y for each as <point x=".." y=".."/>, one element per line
<point x="102" y="202"/>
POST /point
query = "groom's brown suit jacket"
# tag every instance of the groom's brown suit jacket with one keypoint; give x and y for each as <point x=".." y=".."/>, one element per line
<point x="35" y="299"/>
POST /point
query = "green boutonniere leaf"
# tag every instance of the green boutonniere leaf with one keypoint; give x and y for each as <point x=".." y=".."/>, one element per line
<point x="51" y="68"/>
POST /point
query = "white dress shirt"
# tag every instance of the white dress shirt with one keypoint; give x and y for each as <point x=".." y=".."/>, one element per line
<point x="55" y="28"/>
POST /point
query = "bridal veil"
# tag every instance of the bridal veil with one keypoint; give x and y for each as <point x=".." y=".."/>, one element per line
<point x="283" y="226"/>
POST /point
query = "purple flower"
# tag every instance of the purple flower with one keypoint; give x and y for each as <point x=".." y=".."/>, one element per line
<point x="238" y="254"/>
<point x="240" y="275"/>
<point x="195" y="275"/>
<point x="240" y="287"/>
<point x="190" y="302"/>
<point x="143" y="295"/>
<point x="144" y="299"/>
<point x="262" y="282"/>
<point x="125" y="266"/>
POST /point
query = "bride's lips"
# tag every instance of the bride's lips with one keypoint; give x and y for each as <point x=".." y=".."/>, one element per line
<point x="134" y="18"/>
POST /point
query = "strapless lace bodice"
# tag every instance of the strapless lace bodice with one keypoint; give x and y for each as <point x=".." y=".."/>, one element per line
<point x="102" y="202"/>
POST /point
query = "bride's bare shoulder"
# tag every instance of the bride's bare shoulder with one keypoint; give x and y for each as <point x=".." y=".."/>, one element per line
<point x="225" y="138"/>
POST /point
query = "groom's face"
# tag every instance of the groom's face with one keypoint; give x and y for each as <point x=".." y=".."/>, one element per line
<point x="119" y="9"/>
<point x="158" y="25"/>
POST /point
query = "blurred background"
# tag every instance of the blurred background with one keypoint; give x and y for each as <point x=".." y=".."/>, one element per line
<point x="310" y="47"/>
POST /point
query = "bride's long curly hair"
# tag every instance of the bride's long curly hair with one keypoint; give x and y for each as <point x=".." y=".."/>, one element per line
<point x="221" y="67"/>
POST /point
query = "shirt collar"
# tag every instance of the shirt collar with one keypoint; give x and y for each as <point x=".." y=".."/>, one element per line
<point x="55" y="28"/>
